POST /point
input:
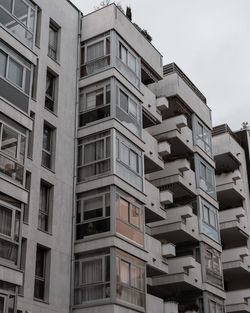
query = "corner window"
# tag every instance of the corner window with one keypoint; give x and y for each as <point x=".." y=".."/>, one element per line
<point x="18" y="16"/>
<point x="94" y="155"/>
<point x="93" y="214"/>
<point x="130" y="218"/>
<point x="95" y="55"/>
<point x="45" y="207"/>
<point x="53" y="41"/>
<point x="92" y="278"/>
<point x="12" y="152"/>
<point x="47" y="150"/>
<point x="130" y="279"/>
<point x="94" y="103"/>
<point x="50" y="95"/>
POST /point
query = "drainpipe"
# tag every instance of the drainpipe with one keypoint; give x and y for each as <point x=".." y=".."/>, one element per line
<point x="75" y="165"/>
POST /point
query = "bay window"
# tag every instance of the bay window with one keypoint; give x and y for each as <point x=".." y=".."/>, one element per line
<point x="92" y="278"/>
<point x="130" y="279"/>
<point x="128" y="63"/>
<point x="93" y="214"/>
<point x="18" y="16"/>
<point x="12" y="151"/>
<point x="129" y="161"/>
<point x="94" y="103"/>
<point x="209" y="220"/>
<point x="128" y="110"/>
<point x="9" y="232"/>
<point x="94" y="155"/>
<point x="213" y="266"/>
<point x="95" y="55"/>
<point x="205" y="176"/>
<point x="129" y="217"/>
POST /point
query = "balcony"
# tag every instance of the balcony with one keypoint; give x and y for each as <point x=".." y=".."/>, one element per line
<point x="154" y="209"/>
<point x="236" y="263"/>
<point x="229" y="189"/>
<point x="152" y="160"/>
<point x="233" y="226"/>
<point x="156" y="263"/>
<point x="227" y="152"/>
<point x="184" y="274"/>
<point x="238" y="301"/>
<point x="181" y="225"/>
<point x="12" y="276"/>
<point x="178" y="177"/>
<point x="176" y="131"/>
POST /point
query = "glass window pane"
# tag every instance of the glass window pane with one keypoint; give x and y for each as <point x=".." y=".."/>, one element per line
<point x="135" y="216"/>
<point x="95" y="51"/>
<point x="133" y="161"/>
<point x="124" y="272"/>
<point x="21" y="10"/>
<point x="202" y="171"/>
<point x="92" y="272"/>
<point x="123" y="210"/>
<point x="135" y="277"/>
<point x="93" y="208"/>
<point x="200" y="130"/>
<point x="216" y="263"/>
<point x="205" y="214"/>
<point x="107" y="94"/>
<point x="15" y="73"/>
<point x="40" y="262"/>
<point x="9" y="142"/>
<point x="7" y="4"/>
<point x="124" y="154"/>
<point x="50" y="85"/>
<point x="132" y="108"/>
<point x="132" y="62"/>
<point x="123" y="53"/>
<point x="212" y="218"/>
<point x="5" y="221"/>
<point x="99" y="97"/>
<point x="3" y="61"/>
<point x="47" y="139"/>
<point x="209" y="258"/>
<point x="94" y="151"/>
<point x="123" y="101"/>
<point x="52" y="38"/>
<point x="2" y="304"/>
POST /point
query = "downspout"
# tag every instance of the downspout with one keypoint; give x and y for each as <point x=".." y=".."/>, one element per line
<point x="75" y="167"/>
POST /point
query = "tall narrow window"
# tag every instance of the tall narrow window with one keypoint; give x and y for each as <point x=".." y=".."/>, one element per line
<point x="31" y="137"/>
<point x="27" y="205"/>
<point x="47" y="152"/>
<point x="45" y="206"/>
<point x="50" y="91"/>
<point x="53" y="41"/>
<point x="41" y="270"/>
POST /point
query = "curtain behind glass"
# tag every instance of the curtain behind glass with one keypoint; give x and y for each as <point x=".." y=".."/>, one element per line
<point x="5" y="221"/>
<point x="95" y="51"/>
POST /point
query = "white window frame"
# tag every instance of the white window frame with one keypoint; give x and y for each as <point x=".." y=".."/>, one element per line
<point x="54" y="48"/>
<point x="93" y="42"/>
<point x="121" y="44"/>
<point x="207" y="146"/>
<point x="14" y="210"/>
<point x="49" y="152"/>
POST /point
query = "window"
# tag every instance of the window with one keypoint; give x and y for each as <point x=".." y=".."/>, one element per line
<point x="22" y="263"/>
<point x="129" y="161"/>
<point x="130" y="217"/>
<point x="50" y="97"/>
<point x="95" y="55"/>
<point x="47" y="151"/>
<point x="31" y="137"/>
<point x="9" y="232"/>
<point x="7" y="297"/>
<point x="46" y="194"/>
<point x="210" y="225"/>
<point x="94" y="155"/>
<point x="94" y="103"/>
<point x="18" y="16"/>
<point x="130" y="279"/>
<point x="205" y="176"/>
<point x="92" y="278"/>
<point x="203" y="136"/>
<point x="12" y="68"/>
<point x="128" y="63"/>
<point x="41" y="273"/>
<point x="12" y="151"/>
<point x="53" y="41"/>
<point x="93" y="214"/>
<point x="215" y="307"/>
<point x="27" y="205"/>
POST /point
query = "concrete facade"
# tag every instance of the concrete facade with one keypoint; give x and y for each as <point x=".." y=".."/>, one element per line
<point x="108" y="198"/>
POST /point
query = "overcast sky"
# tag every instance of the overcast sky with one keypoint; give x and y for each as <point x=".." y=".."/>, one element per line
<point x="209" y="40"/>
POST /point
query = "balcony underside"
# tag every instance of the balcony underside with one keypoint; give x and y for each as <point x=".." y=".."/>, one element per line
<point x="229" y="196"/>
<point x="232" y="236"/>
<point x="236" y="271"/>
<point x="238" y="308"/>
<point x="226" y="162"/>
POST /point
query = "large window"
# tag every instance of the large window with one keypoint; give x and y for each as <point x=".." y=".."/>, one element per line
<point x="95" y="55"/>
<point x="15" y="71"/>
<point x="93" y="213"/>
<point x="130" y="217"/>
<point x="9" y="232"/>
<point x="209" y="220"/>
<point x="205" y="176"/>
<point x="50" y="95"/>
<point x="53" y="41"/>
<point x="12" y="151"/>
<point x="128" y="110"/>
<point x="94" y="103"/>
<point x="130" y="279"/>
<point x="18" y="16"/>
<point x="129" y="161"/>
<point x="203" y="136"/>
<point x="94" y="155"/>
<point x="45" y="206"/>
<point x="92" y="278"/>
<point x="213" y="266"/>
<point x="128" y="63"/>
<point x="48" y="148"/>
<point x="41" y="274"/>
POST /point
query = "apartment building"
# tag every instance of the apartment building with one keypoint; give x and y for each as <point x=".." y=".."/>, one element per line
<point x="231" y="151"/>
<point x="107" y="186"/>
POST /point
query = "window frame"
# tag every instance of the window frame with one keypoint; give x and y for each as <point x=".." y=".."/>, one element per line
<point x="49" y="152"/>
<point x="53" y="50"/>
<point x="14" y="211"/>
<point x="44" y="278"/>
<point x="51" y="98"/>
<point x="208" y="147"/>
<point x="49" y="204"/>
